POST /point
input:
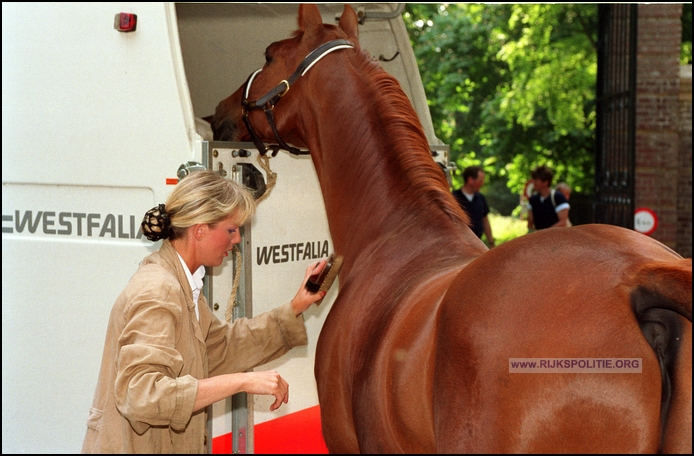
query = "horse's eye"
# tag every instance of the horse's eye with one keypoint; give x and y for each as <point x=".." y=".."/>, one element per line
<point x="268" y="58"/>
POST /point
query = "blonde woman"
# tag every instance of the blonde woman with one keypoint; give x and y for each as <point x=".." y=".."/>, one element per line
<point x="166" y="356"/>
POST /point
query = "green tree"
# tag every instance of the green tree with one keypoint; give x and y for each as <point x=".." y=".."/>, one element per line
<point x="511" y="87"/>
<point x="686" y="52"/>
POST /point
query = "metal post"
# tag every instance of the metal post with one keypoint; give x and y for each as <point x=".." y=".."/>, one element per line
<point x="242" y="403"/>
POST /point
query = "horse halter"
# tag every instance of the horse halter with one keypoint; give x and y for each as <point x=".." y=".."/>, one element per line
<point x="267" y="102"/>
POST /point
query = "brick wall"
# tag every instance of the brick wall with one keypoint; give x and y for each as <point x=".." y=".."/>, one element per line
<point x="663" y="168"/>
<point x="684" y="178"/>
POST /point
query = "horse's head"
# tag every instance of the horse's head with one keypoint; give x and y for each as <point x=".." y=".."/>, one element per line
<point x="250" y="113"/>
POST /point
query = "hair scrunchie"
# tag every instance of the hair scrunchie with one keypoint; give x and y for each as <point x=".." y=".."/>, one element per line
<point x="156" y="224"/>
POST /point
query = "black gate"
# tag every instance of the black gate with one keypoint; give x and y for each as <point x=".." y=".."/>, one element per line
<point x="616" y="114"/>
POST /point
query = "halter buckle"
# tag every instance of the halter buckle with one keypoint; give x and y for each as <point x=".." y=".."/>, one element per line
<point x="285" y="82"/>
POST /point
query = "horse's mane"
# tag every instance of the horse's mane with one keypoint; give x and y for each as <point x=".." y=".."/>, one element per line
<point x="407" y="135"/>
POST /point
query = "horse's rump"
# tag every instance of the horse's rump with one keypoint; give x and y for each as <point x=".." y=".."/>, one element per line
<point x="561" y="295"/>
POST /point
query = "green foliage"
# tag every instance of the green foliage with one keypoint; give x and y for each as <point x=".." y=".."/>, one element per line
<point x="511" y="86"/>
<point x="686" y="53"/>
<point x="505" y="228"/>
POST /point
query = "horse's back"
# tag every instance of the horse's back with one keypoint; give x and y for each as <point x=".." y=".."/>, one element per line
<point x="561" y="294"/>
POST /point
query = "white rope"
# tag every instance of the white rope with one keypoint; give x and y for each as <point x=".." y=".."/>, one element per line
<point x="264" y="162"/>
<point x="237" y="276"/>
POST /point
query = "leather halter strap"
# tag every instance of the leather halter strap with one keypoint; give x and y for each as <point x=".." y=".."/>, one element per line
<point x="267" y="102"/>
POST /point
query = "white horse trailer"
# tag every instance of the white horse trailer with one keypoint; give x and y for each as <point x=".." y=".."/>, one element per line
<point x="101" y="114"/>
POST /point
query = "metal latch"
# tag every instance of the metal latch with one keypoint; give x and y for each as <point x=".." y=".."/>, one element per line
<point x="188" y="167"/>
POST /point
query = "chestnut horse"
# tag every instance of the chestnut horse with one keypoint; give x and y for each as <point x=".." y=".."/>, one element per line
<point x="415" y="353"/>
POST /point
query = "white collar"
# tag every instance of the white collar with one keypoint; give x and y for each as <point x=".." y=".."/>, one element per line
<point x="195" y="281"/>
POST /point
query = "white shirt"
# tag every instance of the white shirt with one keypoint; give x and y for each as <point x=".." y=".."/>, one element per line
<point x="195" y="281"/>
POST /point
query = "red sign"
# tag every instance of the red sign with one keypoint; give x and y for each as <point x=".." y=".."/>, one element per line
<point x="645" y="221"/>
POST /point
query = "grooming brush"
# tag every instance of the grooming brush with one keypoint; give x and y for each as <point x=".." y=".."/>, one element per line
<point x="324" y="280"/>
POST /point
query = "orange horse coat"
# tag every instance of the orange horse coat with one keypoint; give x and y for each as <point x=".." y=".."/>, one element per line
<point x="414" y="354"/>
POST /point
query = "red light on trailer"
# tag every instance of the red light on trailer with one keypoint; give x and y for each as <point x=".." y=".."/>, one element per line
<point x="125" y="22"/>
<point x="171" y="180"/>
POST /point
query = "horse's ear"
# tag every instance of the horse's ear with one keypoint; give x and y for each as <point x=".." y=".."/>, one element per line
<point x="349" y="22"/>
<point x="309" y="17"/>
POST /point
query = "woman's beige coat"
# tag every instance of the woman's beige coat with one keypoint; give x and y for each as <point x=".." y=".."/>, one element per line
<point x="155" y="352"/>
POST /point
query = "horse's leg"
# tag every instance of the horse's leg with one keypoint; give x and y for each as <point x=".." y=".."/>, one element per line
<point x="334" y="387"/>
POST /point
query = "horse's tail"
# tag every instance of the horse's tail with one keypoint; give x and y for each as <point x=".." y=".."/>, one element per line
<point x="661" y="302"/>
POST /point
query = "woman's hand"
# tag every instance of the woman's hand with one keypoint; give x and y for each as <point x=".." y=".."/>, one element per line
<point x="269" y="382"/>
<point x="213" y="389"/>
<point x="305" y="298"/>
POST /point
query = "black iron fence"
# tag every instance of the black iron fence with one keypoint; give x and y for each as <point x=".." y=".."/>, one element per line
<point x="616" y="115"/>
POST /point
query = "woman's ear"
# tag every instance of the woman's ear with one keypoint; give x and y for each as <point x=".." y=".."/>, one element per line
<point x="199" y="230"/>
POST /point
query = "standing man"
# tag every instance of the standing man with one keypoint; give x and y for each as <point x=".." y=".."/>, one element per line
<point x="474" y="203"/>
<point x="548" y="208"/>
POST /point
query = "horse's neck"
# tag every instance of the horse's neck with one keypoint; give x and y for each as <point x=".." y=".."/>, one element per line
<point x="370" y="200"/>
<point x="380" y="185"/>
